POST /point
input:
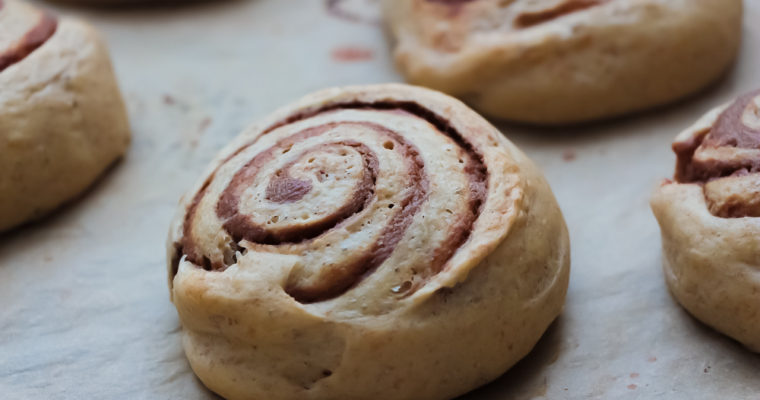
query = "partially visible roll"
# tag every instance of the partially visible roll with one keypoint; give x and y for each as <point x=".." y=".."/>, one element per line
<point x="62" y="118"/>
<point x="709" y="220"/>
<point x="372" y="242"/>
<point x="564" y="61"/>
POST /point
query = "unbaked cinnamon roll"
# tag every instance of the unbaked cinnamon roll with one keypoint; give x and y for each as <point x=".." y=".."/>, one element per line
<point x="374" y="242"/>
<point x="62" y="118"/>
<point x="709" y="220"/>
<point x="564" y="61"/>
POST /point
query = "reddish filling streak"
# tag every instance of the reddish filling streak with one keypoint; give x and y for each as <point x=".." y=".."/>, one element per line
<point x="31" y="40"/>
<point x="463" y="226"/>
<point x="332" y="281"/>
<point x="529" y="19"/>
<point x="728" y="131"/>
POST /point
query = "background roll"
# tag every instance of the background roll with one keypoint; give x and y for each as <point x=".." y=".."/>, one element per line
<point x="62" y="118"/>
<point x="564" y="61"/>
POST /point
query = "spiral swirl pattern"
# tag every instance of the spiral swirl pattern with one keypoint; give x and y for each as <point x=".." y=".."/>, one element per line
<point x="366" y="223"/>
<point x="725" y="158"/>
<point x="306" y="186"/>
<point x="23" y="29"/>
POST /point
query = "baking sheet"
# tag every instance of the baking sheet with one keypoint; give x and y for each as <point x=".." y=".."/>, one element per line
<point x="85" y="309"/>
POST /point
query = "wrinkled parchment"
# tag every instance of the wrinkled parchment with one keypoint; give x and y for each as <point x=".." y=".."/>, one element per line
<point x="85" y="310"/>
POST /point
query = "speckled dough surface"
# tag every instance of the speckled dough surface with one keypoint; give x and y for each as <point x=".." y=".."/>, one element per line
<point x="62" y="119"/>
<point x="564" y="61"/>
<point x="709" y="220"/>
<point x="366" y="242"/>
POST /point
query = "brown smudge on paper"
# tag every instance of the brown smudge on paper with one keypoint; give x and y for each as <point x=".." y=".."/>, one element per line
<point x="204" y="124"/>
<point x="569" y="155"/>
<point x="347" y="54"/>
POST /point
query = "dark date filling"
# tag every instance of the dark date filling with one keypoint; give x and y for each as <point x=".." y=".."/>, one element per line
<point x="728" y="132"/>
<point x="728" y="149"/>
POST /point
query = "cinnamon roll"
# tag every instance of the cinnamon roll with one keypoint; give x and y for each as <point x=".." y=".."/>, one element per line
<point x="62" y="118"/>
<point x="564" y="61"/>
<point x="373" y="242"/>
<point x="709" y="220"/>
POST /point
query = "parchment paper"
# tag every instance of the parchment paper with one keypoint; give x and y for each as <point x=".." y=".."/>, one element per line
<point x="85" y="309"/>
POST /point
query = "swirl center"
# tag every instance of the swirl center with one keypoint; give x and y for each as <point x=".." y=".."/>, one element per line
<point x="285" y="189"/>
<point x="298" y="201"/>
